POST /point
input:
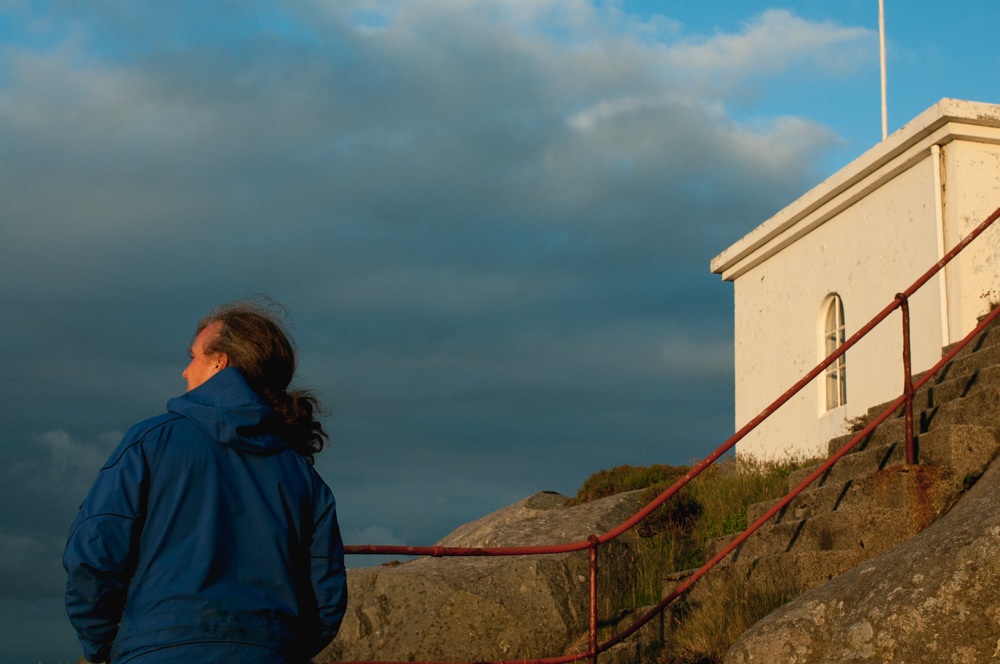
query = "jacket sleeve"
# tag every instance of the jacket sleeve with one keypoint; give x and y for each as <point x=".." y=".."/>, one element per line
<point x="101" y="549"/>
<point x="329" y="577"/>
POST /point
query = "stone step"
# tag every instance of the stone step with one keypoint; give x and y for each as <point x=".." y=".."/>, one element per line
<point x="963" y="449"/>
<point x="950" y="454"/>
<point x="979" y="407"/>
<point x="807" y="568"/>
<point x="801" y="571"/>
<point x="852" y="466"/>
<point x="957" y="379"/>
<point x="988" y="337"/>
<point x="674" y="579"/>
<point x="873" y="530"/>
<point x="965" y="365"/>
<point x="890" y="431"/>
<point x="894" y="487"/>
<point x="933" y="395"/>
<point x="968" y="361"/>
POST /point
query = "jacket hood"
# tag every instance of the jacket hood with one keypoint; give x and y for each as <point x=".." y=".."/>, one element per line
<point x="229" y="412"/>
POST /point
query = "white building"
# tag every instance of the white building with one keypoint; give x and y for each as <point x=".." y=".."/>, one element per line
<point x="826" y="264"/>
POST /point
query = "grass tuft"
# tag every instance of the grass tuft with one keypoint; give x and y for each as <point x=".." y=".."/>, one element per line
<point x="992" y="299"/>
<point x="625" y="478"/>
<point x="708" y="627"/>
<point x="673" y="537"/>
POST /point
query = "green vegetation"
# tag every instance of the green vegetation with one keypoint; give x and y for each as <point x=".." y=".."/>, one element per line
<point x="625" y="478"/>
<point x="673" y="539"/>
<point x="703" y="632"/>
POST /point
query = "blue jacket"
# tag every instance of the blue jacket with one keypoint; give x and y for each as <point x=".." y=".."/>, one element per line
<point x="202" y="529"/>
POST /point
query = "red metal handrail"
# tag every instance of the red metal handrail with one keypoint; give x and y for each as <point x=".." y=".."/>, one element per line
<point x="901" y="301"/>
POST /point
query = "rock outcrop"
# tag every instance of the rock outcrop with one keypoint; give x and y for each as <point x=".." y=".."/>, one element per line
<point x="933" y="598"/>
<point x="484" y="608"/>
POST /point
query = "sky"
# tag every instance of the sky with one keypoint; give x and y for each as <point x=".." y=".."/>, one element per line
<point x="490" y="222"/>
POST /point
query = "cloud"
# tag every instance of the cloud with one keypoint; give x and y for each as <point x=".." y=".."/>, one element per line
<point x="42" y="482"/>
<point x="50" y="469"/>
<point x="491" y="223"/>
<point x="65" y="458"/>
<point x="774" y="42"/>
<point x="29" y="566"/>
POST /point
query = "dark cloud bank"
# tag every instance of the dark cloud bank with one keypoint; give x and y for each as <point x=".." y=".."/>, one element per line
<point x="492" y="232"/>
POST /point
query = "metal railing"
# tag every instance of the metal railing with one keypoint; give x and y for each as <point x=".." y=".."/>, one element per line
<point x="591" y="544"/>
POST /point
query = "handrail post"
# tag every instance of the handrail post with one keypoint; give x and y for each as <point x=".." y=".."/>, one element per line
<point x="592" y="550"/>
<point x="904" y="308"/>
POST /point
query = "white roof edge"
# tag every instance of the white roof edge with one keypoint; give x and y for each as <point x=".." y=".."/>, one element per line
<point x="940" y="114"/>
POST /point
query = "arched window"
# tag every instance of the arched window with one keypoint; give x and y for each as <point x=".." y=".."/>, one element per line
<point x="833" y="338"/>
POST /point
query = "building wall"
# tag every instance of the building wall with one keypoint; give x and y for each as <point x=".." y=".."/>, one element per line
<point x="867" y="253"/>
<point x="972" y="192"/>
<point x="866" y="233"/>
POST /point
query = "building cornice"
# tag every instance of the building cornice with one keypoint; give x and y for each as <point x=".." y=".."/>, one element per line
<point x="944" y="122"/>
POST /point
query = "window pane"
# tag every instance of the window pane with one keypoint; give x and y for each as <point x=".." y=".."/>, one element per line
<point x="832" y="391"/>
<point x="831" y="317"/>
<point x="834" y="336"/>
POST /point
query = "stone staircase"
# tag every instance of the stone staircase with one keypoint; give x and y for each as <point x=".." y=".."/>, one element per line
<point x="871" y="500"/>
<point x="866" y="503"/>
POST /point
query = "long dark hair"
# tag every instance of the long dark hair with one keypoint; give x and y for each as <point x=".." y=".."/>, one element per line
<point x="255" y="342"/>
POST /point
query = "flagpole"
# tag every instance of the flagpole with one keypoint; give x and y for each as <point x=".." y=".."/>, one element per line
<point x="881" y="39"/>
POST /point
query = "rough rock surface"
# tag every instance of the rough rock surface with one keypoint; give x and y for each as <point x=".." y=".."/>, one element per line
<point x="933" y="598"/>
<point x="487" y="608"/>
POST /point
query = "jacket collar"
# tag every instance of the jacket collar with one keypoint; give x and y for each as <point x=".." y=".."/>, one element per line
<point x="229" y="412"/>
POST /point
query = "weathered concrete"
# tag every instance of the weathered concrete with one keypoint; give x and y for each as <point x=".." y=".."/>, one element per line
<point x="484" y="608"/>
<point x="933" y="598"/>
<point x="830" y="529"/>
<point x="870" y="501"/>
